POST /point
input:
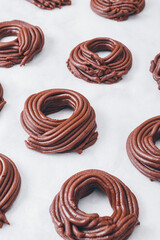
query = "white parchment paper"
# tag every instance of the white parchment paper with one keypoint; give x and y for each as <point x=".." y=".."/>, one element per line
<point x="119" y="109"/>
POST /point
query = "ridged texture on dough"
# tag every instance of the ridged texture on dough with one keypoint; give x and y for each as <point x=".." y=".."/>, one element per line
<point x="47" y="135"/>
<point x="29" y="41"/>
<point x="73" y="224"/>
<point x="10" y="182"/>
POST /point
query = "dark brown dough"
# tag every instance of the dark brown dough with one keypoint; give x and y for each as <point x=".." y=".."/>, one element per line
<point x="118" y="10"/>
<point x="47" y="135"/>
<point x="73" y="224"/>
<point x="50" y="4"/>
<point x="10" y="183"/>
<point x="86" y="64"/>
<point x="29" y="41"/>
<point x="2" y="101"/>
<point x="141" y="148"/>
<point x="155" y="69"/>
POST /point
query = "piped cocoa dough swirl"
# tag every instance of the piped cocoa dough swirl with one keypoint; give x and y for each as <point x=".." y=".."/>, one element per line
<point x="29" y="41"/>
<point x="47" y="135"/>
<point x="73" y="224"/>
<point x="118" y="10"/>
<point x="86" y="64"/>
<point x="141" y="148"/>
<point x="155" y="69"/>
<point x="2" y="101"/>
<point x="50" y="4"/>
<point x="10" y="182"/>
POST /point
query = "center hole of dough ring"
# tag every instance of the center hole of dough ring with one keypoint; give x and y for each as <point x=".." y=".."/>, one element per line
<point x="103" y="54"/>
<point x="62" y="114"/>
<point x="57" y="108"/>
<point x="101" y="48"/>
<point x="156" y="136"/>
<point x="97" y="202"/>
<point x="8" y="39"/>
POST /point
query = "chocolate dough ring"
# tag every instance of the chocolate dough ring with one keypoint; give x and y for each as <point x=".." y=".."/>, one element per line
<point x="72" y="223"/>
<point x="10" y="182"/>
<point x="29" y="41"/>
<point x="50" y="4"/>
<point x="118" y="10"/>
<point x="85" y="63"/>
<point x="142" y="150"/>
<point x="155" y="69"/>
<point x="2" y="101"/>
<point x="47" y="135"/>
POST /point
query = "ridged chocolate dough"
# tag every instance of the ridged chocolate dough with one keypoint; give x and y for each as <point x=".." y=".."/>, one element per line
<point x="2" y="102"/>
<point x="29" y="41"/>
<point x="47" y="135"/>
<point x="50" y="4"/>
<point x="141" y="148"/>
<point x="10" y="182"/>
<point x="85" y="63"/>
<point x="155" y="69"/>
<point x="73" y="224"/>
<point x="118" y="10"/>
